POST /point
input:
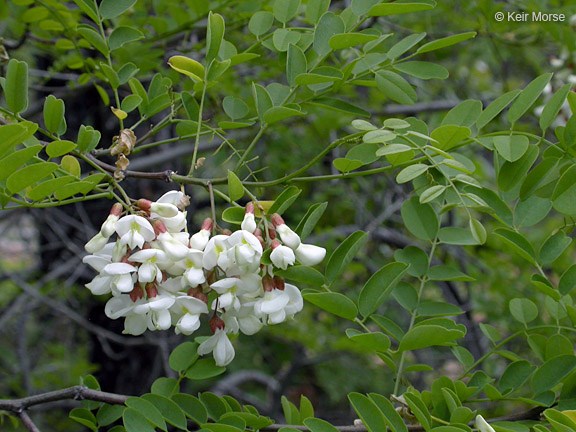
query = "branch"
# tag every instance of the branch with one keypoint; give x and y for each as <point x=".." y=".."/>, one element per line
<point x="76" y="393"/>
<point x="162" y="175"/>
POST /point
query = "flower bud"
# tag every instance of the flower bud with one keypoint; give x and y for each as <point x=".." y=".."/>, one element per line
<point x="144" y="205"/>
<point x="309" y="254"/>
<point x="288" y="237"/>
<point x="96" y="243"/>
<point x="267" y="283"/>
<point x="482" y="425"/>
<point x="166" y="210"/>
<point x="249" y="223"/>
<point x="200" y="239"/>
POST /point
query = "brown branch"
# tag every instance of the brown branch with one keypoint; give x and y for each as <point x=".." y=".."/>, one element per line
<point x="76" y="393"/>
<point x="162" y="175"/>
<point x="27" y="422"/>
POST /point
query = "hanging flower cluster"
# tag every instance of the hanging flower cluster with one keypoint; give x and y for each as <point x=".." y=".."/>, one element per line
<point x="160" y="276"/>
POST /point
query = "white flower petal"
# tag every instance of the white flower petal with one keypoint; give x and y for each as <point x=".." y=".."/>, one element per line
<point x="135" y="324"/>
<point x="119" y="306"/>
<point x="309" y="255"/>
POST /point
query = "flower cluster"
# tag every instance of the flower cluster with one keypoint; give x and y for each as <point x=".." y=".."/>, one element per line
<point x="159" y="276"/>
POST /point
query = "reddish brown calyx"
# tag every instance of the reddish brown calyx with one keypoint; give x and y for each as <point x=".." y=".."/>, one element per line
<point x="267" y="283"/>
<point x="207" y="224"/>
<point x="159" y="227"/>
<point x="151" y="290"/>
<point x="137" y="293"/>
<point x="198" y="293"/>
<point x="216" y="323"/>
<point x="277" y="220"/>
<point x="116" y="209"/>
<point x="279" y="283"/>
<point x="250" y="207"/>
<point x="144" y="204"/>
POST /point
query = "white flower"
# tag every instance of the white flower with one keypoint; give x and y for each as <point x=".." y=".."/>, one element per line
<point x="194" y="274"/>
<point x="175" y="249"/>
<point x="220" y="347"/>
<point x="296" y="302"/>
<point x="248" y="223"/>
<point x="242" y="255"/>
<point x="200" y="239"/>
<point x="282" y="256"/>
<point x="96" y="243"/>
<point x="482" y="425"/>
<point x="163" y="210"/>
<point x="187" y="311"/>
<point x="214" y="247"/>
<point x="271" y="306"/>
<point x="134" y="231"/>
<point x="114" y="277"/>
<point x="309" y="255"/>
<point x="233" y="290"/>
<point x="152" y="261"/>
<point x="242" y="320"/>
<point x="288" y="237"/>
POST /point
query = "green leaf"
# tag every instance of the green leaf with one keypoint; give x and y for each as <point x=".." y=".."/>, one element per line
<point x="59" y="148"/>
<point x="285" y="10"/>
<point x="215" y="405"/>
<point x="329" y="25"/>
<point x="513" y="173"/>
<point x="449" y="136"/>
<point x="113" y="8"/>
<point x="424" y="336"/>
<point x="447" y="273"/>
<point x="235" y="187"/>
<point x="187" y="66"/>
<point x="16" y="86"/>
<point x="296" y="64"/>
<point x="335" y="303"/>
<point x="284" y="200"/>
<point x="511" y="147"/>
<point x="260" y="23"/>
<point x="134" y="421"/>
<point x="429" y="308"/>
<point x="478" y="231"/>
<point x="13" y="134"/>
<point x="552" y="372"/>
<point x="347" y="40"/>
<point x="262" y="100"/>
<point x="11" y="163"/>
<point x="553" y="106"/>
<point x="523" y="310"/>
<point x="89" y="8"/>
<point x="123" y="35"/>
<point x="518" y="243"/>
<point x="319" y="425"/>
<point x="48" y="187"/>
<point x="411" y="172"/>
<point x="553" y="247"/>
<point x="567" y="280"/>
<point x="84" y="417"/>
<point x="276" y="114"/>
<point x="366" y="153"/>
<point x="233" y="215"/>
<point x="496" y="108"/>
<point x="315" y="9"/>
<point x="94" y="38"/>
<point x="165" y="386"/>
<point x="515" y="375"/>
<point x="381" y="136"/>
<point x="419" y="409"/>
<point x="386" y="9"/>
<point x="71" y="165"/>
<point x="282" y="38"/>
<point x="29" y="175"/>
<point x="108" y="414"/>
<point x="378" y="288"/>
<point x="203" y="369"/>
<point x="148" y="411"/>
<point x="306" y="408"/>
<point x="415" y="257"/>
<point x="346" y="165"/>
<point x="527" y="97"/>
<point x="54" y="115"/>
<point x="564" y="195"/>
<point x="183" y="356"/>
<point x="420" y="219"/>
<point x="464" y="114"/>
<point x="391" y="416"/>
<point x="171" y="412"/>
<point x="423" y="70"/>
<point x="343" y="254"/>
<point x="192" y="407"/>
<point x="290" y="411"/>
<point x="302" y="274"/>
<point x="214" y="36"/>
<point x="130" y="103"/>
<point x="310" y="219"/>
<point x="368" y="412"/>
<point x="560" y="422"/>
<point x="404" y="45"/>
<point x="392" y="149"/>
<point x="445" y="42"/>
<point x="235" y="107"/>
<point x="374" y="341"/>
<point x="395" y="87"/>
<point x="339" y="105"/>
<point x="432" y="193"/>
<point x="87" y="139"/>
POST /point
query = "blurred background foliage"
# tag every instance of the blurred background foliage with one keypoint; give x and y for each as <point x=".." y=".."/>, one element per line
<point x="54" y="331"/>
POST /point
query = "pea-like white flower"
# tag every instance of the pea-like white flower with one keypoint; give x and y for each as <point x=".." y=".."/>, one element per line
<point x="220" y="346"/>
<point x="170" y="244"/>
<point x="152" y="262"/>
<point x="242" y="255"/>
<point x="309" y="255"/>
<point x="288" y="237"/>
<point x="249" y="222"/>
<point x="186" y="313"/>
<point x="134" y="231"/>
<point x="242" y="319"/>
<point x="482" y="425"/>
<point x="200" y="240"/>
<point x="282" y="256"/>
<point x="213" y="249"/>
<point x="271" y="306"/>
<point x="96" y="243"/>
<point x="233" y="290"/>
